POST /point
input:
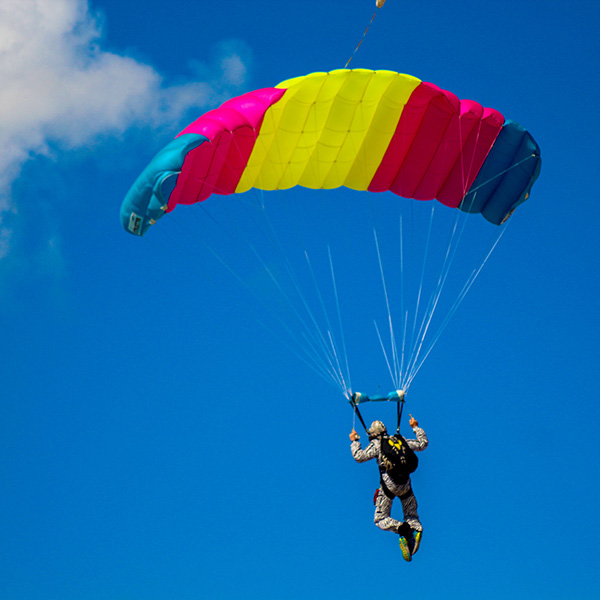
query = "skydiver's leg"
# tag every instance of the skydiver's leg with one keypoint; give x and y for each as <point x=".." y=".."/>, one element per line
<point x="383" y="509"/>
<point x="409" y="507"/>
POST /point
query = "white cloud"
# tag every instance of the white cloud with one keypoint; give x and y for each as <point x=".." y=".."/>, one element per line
<point x="57" y="84"/>
<point x="232" y="63"/>
<point x="61" y="89"/>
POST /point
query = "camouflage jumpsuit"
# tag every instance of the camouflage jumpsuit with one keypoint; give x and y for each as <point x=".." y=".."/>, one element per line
<point x="390" y="489"/>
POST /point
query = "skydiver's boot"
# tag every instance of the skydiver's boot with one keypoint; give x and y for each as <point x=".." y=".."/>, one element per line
<point x="405" y="533"/>
<point x="406" y="555"/>
<point x="417" y="535"/>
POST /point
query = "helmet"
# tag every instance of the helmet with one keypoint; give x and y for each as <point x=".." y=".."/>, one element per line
<point x="377" y="428"/>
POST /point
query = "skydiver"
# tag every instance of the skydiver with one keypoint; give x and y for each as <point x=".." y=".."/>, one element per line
<point x="411" y="530"/>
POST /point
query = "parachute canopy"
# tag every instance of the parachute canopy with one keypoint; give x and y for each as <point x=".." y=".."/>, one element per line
<point x="365" y="130"/>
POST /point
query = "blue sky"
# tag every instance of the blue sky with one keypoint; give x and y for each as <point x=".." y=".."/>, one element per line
<point x="159" y="442"/>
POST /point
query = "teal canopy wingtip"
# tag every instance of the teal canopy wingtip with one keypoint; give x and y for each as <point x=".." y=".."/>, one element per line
<point x="147" y="199"/>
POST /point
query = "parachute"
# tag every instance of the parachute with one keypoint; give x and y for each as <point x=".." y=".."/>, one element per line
<point x="366" y="130"/>
<point x="381" y="133"/>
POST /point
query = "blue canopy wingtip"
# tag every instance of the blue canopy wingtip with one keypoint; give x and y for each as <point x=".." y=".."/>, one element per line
<point x="148" y="197"/>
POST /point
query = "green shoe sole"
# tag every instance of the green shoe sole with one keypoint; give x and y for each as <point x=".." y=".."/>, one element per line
<point x="418" y="536"/>
<point x="405" y="550"/>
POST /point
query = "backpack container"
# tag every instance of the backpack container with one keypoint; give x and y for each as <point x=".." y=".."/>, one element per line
<point x="398" y="460"/>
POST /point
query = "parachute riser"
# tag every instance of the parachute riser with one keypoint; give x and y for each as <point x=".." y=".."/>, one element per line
<point x="357" y="411"/>
<point x="400" y="408"/>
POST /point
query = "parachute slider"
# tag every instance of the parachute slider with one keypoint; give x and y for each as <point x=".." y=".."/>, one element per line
<point x="395" y="396"/>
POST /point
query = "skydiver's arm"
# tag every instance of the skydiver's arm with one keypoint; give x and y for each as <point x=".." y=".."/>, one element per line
<point x="359" y="455"/>
<point x="421" y="442"/>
